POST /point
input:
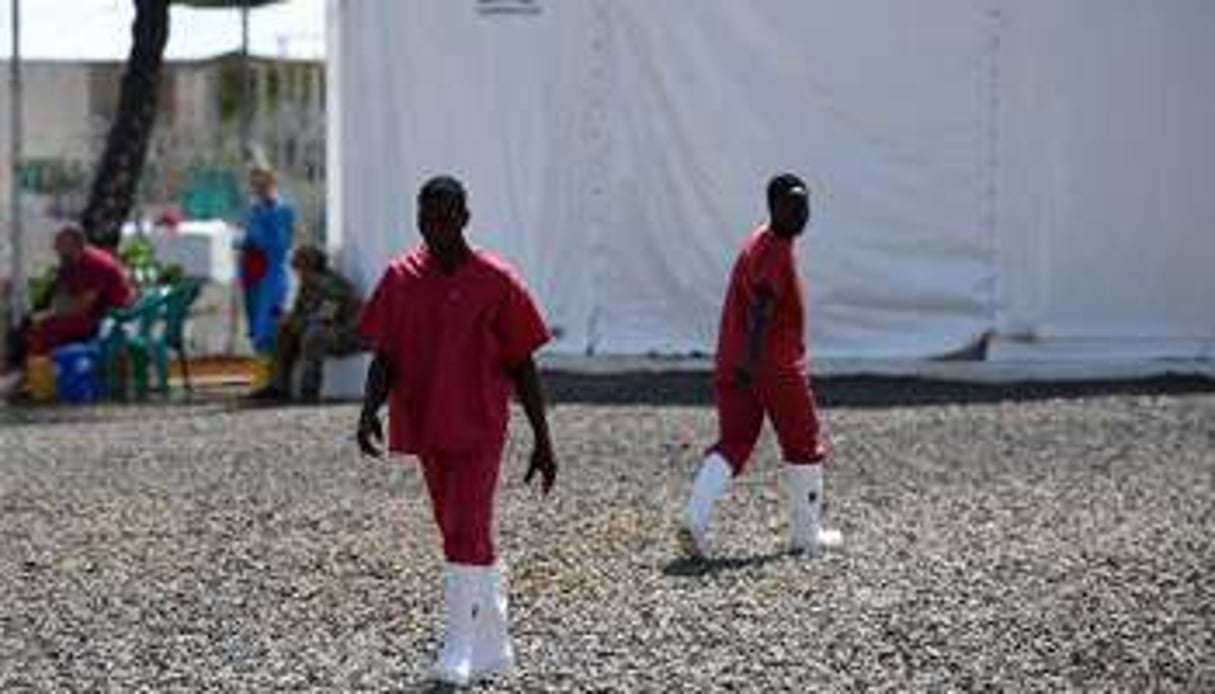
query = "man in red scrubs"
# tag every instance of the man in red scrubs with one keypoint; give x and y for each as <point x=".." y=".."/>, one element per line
<point x="761" y="371"/>
<point x="88" y="283"/>
<point x="454" y="331"/>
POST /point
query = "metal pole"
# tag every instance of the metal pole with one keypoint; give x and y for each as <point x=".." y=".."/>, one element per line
<point x="16" y="134"/>
<point x="246" y="124"/>
<point x="245" y="157"/>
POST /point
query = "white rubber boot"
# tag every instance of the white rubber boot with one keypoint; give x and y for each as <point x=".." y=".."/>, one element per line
<point x="804" y="484"/>
<point x="711" y="483"/>
<point x="454" y="665"/>
<point x="492" y="650"/>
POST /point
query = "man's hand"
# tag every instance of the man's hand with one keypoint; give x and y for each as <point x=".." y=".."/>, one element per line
<point x="375" y="393"/>
<point x="743" y="374"/>
<point x="758" y="316"/>
<point x="544" y="462"/>
<point x="531" y="395"/>
<point x="371" y="434"/>
<point x="74" y="304"/>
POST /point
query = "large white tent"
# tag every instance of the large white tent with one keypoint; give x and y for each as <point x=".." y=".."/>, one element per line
<point x="100" y="30"/>
<point x="1036" y="172"/>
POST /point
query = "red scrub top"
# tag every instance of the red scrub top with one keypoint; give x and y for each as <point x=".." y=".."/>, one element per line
<point x="96" y="271"/>
<point x="451" y="340"/>
<point x="766" y="261"/>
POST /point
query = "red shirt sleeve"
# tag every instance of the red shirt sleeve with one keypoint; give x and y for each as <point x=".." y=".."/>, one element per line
<point x="118" y="291"/>
<point x="98" y="272"/>
<point x="773" y="270"/>
<point x="519" y="325"/>
<point x="376" y="317"/>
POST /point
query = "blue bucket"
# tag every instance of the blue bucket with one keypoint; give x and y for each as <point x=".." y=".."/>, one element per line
<point x="76" y="373"/>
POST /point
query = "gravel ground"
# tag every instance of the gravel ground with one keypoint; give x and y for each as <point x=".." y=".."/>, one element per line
<point x="1008" y="543"/>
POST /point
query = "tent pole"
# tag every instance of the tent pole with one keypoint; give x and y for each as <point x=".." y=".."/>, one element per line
<point x="16" y="135"/>
<point x="246" y="153"/>
<point x="246" y="125"/>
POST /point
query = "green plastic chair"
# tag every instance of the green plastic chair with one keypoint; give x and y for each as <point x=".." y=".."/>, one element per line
<point x="140" y="338"/>
<point x="175" y="310"/>
<point x="125" y="338"/>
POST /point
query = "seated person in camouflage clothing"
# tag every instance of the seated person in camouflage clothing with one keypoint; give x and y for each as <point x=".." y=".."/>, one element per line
<point x="321" y="323"/>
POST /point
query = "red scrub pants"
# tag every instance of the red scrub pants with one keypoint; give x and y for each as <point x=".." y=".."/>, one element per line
<point x="461" y="487"/>
<point x="787" y="400"/>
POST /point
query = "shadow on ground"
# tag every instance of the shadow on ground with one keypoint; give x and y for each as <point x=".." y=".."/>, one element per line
<point x="688" y="567"/>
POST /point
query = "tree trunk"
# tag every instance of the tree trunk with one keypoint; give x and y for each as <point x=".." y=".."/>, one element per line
<point x="113" y="191"/>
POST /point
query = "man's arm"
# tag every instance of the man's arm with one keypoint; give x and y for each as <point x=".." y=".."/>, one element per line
<point x="375" y="394"/>
<point x="351" y="305"/>
<point x="759" y="314"/>
<point x="302" y="308"/>
<point x="286" y="230"/>
<point x="531" y="396"/>
<point x="80" y="304"/>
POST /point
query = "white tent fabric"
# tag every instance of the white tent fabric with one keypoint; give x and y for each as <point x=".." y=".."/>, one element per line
<point x="1107" y="160"/>
<point x="616" y="151"/>
<point x="100" y="30"/>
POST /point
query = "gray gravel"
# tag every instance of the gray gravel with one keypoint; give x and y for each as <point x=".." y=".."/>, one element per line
<point x="1039" y="545"/>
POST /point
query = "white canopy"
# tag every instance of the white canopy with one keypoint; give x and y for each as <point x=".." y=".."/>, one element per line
<point x="101" y="30"/>
<point x="1033" y="170"/>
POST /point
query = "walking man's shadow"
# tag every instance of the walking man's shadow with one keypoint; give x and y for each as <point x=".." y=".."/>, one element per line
<point x="692" y="567"/>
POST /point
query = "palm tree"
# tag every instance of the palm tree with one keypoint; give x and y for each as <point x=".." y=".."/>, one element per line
<point x="113" y="190"/>
<point x="112" y="193"/>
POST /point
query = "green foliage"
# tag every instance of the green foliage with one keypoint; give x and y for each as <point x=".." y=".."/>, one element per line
<point x="232" y="78"/>
<point x="274" y="90"/>
<point x="172" y="274"/>
<point x="139" y="256"/>
<point x="40" y="289"/>
<point x="231" y="91"/>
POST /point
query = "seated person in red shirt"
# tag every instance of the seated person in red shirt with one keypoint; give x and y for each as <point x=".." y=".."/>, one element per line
<point x="761" y="373"/>
<point x="454" y="330"/>
<point x="88" y="283"/>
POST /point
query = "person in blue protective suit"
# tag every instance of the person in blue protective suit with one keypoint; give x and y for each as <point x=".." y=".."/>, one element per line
<point x="269" y="227"/>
